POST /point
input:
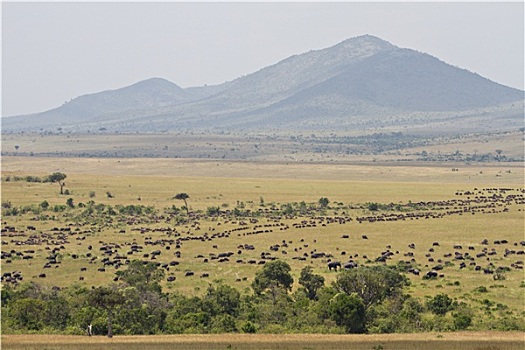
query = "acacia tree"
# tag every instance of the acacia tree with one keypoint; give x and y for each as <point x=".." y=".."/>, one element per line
<point x="107" y="299"/>
<point x="183" y="196"/>
<point x="58" y="177"/>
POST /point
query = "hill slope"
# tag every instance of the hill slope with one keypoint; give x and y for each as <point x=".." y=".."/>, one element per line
<point x="360" y="82"/>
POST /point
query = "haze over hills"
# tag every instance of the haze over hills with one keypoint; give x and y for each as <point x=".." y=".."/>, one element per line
<point x="360" y="83"/>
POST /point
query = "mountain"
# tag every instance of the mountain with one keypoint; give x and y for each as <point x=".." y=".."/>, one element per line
<point x="150" y="94"/>
<point x="361" y="82"/>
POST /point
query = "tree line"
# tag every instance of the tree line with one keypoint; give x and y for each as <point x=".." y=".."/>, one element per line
<point x="367" y="299"/>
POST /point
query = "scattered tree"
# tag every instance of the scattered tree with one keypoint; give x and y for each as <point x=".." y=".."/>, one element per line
<point x="59" y="178"/>
<point x="183" y="197"/>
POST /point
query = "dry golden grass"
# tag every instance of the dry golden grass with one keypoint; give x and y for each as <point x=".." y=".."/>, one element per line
<point x="437" y="341"/>
<point x="212" y="183"/>
<point x="493" y="173"/>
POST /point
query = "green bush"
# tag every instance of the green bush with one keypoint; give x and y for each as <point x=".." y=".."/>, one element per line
<point x="348" y="311"/>
<point x="440" y="304"/>
<point x="249" y="327"/>
<point x="481" y="289"/>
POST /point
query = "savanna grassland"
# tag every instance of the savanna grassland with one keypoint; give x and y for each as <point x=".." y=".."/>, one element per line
<point x="381" y="145"/>
<point x="429" y="217"/>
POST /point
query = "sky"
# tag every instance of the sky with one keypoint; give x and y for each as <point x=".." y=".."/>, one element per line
<point x="54" y="52"/>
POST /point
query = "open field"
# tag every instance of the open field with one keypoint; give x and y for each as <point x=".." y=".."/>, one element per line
<point x="435" y="341"/>
<point x="457" y="209"/>
<point x="227" y="183"/>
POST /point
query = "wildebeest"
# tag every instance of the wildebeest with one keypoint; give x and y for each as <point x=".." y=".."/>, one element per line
<point x="414" y="271"/>
<point x="431" y="274"/>
<point x="334" y="265"/>
<point x="350" y="265"/>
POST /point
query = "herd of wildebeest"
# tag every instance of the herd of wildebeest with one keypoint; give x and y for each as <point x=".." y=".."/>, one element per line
<point x="163" y="242"/>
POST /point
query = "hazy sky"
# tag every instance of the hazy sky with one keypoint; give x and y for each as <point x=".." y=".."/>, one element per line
<point x="53" y="52"/>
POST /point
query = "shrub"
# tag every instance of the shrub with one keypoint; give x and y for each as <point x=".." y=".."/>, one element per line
<point x="59" y="208"/>
<point x="481" y="289"/>
<point x="248" y="327"/>
<point x="499" y="275"/>
<point x="33" y="179"/>
<point x="440" y="304"/>
<point x="462" y="317"/>
<point x="373" y="206"/>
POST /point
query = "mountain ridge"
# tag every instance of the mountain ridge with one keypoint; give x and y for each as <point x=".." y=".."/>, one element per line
<point x="359" y="79"/>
